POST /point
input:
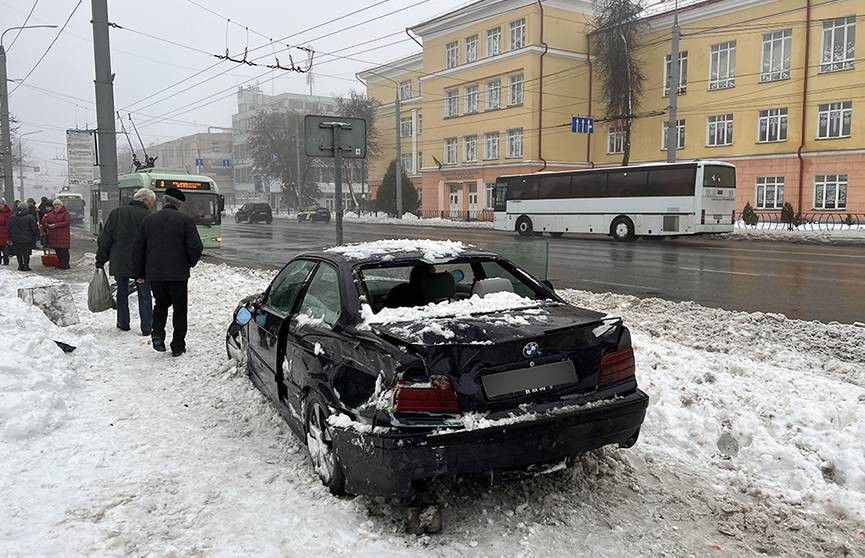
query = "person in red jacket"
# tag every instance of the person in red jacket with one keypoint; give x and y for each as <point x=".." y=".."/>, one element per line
<point x="5" y="213"/>
<point x="56" y="223"/>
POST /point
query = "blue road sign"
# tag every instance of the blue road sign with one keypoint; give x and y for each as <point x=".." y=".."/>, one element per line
<point x="274" y="156"/>
<point x="226" y="162"/>
<point x="582" y="124"/>
<point x="199" y="162"/>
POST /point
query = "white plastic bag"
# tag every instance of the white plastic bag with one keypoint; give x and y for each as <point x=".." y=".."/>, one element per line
<point x="99" y="292"/>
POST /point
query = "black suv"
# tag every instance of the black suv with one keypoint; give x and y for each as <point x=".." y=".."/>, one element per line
<point x="252" y="212"/>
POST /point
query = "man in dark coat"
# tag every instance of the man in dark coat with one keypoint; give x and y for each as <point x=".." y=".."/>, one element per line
<point x="166" y="248"/>
<point x="23" y="233"/>
<point x="115" y="246"/>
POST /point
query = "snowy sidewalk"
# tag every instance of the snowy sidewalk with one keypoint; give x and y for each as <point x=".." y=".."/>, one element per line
<point x="753" y="443"/>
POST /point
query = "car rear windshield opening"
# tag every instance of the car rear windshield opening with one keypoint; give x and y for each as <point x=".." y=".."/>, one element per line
<point x="418" y="283"/>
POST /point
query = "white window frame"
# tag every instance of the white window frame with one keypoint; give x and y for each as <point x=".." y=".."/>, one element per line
<point x="494" y="41"/>
<point x="491" y="146"/>
<point x="470" y="148"/>
<point x="408" y="163"/>
<point x="493" y="94"/>
<point x="473" y="196"/>
<point x="837" y="111"/>
<point x="452" y="54"/>
<point x="517" y="34"/>
<point x="719" y="127"/>
<point x="405" y="89"/>
<point x="683" y="73"/>
<point x="450" y="151"/>
<point x="722" y="69"/>
<point x="680" y="134"/>
<point x="778" y="43"/>
<point x="419" y="161"/>
<point x="452" y="103"/>
<point x="405" y="127"/>
<point x="837" y="61"/>
<point x="769" y="120"/>
<point x="472" y="48"/>
<point x="515" y="143"/>
<point x="765" y="184"/>
<point x="515" y="89"/>
<point x="472" y="99"/>
<point x="489" y="195"/>
<point x="615" y="140"/>
<point x="821" y="184"/>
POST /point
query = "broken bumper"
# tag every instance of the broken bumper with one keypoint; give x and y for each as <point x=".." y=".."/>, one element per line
<point x="387" y="464"/>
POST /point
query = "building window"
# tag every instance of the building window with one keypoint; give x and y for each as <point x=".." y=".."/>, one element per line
<point x="489" y="195"/>
<point x="515" y="89"/>
<point x="515" y="143"/>
<point x="452" y="54"/>
<point x="452" y="102"/>
<point x="420" y="197"/>
<point x="419" y="161"/>
<point x="419" y="87"/>
<point x="471" y="48"/>
<point x="839" y="44"/>
<point x="833" y="120"/>
<point x="491" y="146"/>
<point x="494" y="94"/>
<point x="720" y="130"/>
<point x="722" y="64"/>
<point x="683" y="73"/>
<point x="405" y="89"/>
<point x="450" y="151"/>
<point x="472" y="94"/>
<point x="615" y="139"/>
<point x="405" y="127"/>
<point x="470" y="149"/>
<point x="770" y="192"/>
<point x="680" y="134"/>
<point x="473" y="196"/>
<point x="406" y="160"/>
<point x="518" y="34"/>
<point x="777" y="47"/>
<point x="772" y="125"/>
<point x="830" y="191"/>
<point x="419" y="124"/>
<point x="494" y="41"/>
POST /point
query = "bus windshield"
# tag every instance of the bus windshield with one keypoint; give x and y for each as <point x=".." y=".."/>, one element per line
<point x="203" y="208"/>
<point x="719" y="177"/>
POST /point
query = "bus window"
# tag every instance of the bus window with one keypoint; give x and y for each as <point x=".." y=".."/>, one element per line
<point x="500" y="203"/>
<point x="622" y="184"/>
<point x="672" y="182"/>
<point x="554" y="186"/>
<point x="719" y="177"/>
<point x="523" y="188"/>
<point x="589" y="185"/>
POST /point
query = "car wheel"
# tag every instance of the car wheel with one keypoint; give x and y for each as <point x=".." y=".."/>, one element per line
<point x="556" y="234"/>
<point x="622" y="229"/>
<point x="319" y="444"/>
<point x="524" y="226"/>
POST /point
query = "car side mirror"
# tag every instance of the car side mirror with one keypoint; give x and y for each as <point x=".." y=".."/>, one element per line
<point x="549" y="284"/>
<point x="458" y="275"/>
<point x="243" y="316"/>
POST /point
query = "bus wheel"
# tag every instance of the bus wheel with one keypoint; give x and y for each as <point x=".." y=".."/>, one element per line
<point x="556" y="234"/>
<point x="622" y="229"/>
<point x="524" y="226"/>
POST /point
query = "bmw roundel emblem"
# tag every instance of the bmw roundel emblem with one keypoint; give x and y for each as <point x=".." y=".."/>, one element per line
<point x="530" y="350"/>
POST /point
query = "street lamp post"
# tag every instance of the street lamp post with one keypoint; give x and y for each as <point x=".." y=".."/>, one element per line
<point x="21" y="163"/>
<point x="5" y="139"/>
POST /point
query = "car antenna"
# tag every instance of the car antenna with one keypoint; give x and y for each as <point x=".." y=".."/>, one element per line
<point x="135" y="162"/>
<point x="149" y="162"/>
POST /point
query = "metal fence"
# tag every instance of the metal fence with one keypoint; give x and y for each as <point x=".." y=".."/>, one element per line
<point x="453" y="215"/>
<point x="805" y="221"/>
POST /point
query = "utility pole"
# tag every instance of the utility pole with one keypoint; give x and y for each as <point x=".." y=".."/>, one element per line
<point x="105" y="132"/>
<point x="6" y="146"/>
<point x="20" y="171"/>
<point x="398" y="156"/>
<point x="672" y="125"/>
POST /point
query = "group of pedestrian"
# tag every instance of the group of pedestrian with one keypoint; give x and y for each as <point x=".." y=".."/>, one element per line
<point x="23" y="225"/>
<point x="155" y="250"/>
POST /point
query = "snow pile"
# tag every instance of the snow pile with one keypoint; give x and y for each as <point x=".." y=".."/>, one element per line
<point x="430" y="250"/>
<point x="491" y="303"/>
<point x="411" y="219"/>
<point x="838" y="235"/>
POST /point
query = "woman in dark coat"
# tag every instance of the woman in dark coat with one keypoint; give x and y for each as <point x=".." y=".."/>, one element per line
<point x="23" y="233"/>
<point x="56" y="224"/>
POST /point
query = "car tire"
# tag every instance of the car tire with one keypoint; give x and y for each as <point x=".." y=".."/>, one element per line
<point x="556" y="234"/>
<point x="524" y="226"/>
<point x="622" y="229"/>
<point x="319" y="444"/>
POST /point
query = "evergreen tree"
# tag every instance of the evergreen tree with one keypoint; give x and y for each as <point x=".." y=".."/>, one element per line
<point x="386" y="196"/>
<point x="749" y="216"/>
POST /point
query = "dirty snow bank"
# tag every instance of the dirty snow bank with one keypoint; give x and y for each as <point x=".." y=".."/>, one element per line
<point x="430" y="250"/>
<point x="413" y="220"/>
<point x="800" y="236"/>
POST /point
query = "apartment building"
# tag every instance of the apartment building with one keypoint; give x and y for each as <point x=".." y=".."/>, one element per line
<point x="497" y="81"/>
<point x="205" y="153"/>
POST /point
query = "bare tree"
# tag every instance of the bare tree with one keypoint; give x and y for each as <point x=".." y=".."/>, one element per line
<point x="614" y="40"/>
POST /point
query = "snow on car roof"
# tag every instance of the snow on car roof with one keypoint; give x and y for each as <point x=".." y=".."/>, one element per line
<point x="492" y="302"/>
<point x="430" y="250"/>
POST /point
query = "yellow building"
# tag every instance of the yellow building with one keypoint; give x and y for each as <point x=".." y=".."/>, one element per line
<point x="497" y="81"/>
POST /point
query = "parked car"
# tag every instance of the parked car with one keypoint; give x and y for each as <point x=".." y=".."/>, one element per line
<point x="254" y="212"/>
<point x="316" y="215"/>
<point x="400" y="361"/>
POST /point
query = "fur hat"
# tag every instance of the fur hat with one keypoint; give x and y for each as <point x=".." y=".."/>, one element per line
<point x="175" y="193"/>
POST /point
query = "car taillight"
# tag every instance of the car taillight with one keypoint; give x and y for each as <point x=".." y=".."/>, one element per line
<point x="733" y="218"/>
<point x="436" y="395"/>
<point x="617" y="366"/>
<point x="703" y="217"/>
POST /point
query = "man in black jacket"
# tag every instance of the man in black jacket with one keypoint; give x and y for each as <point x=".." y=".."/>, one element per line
<point x="166" y="248"/>
<point x="115" y="246"/>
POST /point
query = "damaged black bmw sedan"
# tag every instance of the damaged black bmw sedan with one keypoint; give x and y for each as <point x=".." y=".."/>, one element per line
<point x="400" y="361"/>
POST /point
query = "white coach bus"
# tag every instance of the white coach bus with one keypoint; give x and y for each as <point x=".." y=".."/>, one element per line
<point x="663" y="199"/>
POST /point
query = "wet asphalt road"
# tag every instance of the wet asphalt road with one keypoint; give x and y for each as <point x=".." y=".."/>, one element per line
<point x="812" y="282"/>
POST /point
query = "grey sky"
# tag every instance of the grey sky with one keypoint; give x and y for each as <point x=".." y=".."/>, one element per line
<point x="144" y="65"/>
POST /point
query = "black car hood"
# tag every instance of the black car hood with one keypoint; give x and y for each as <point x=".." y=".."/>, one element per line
<point x="488" y="328"/>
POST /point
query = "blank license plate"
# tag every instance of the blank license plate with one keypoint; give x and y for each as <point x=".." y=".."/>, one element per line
<point x="529" y="380"/>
